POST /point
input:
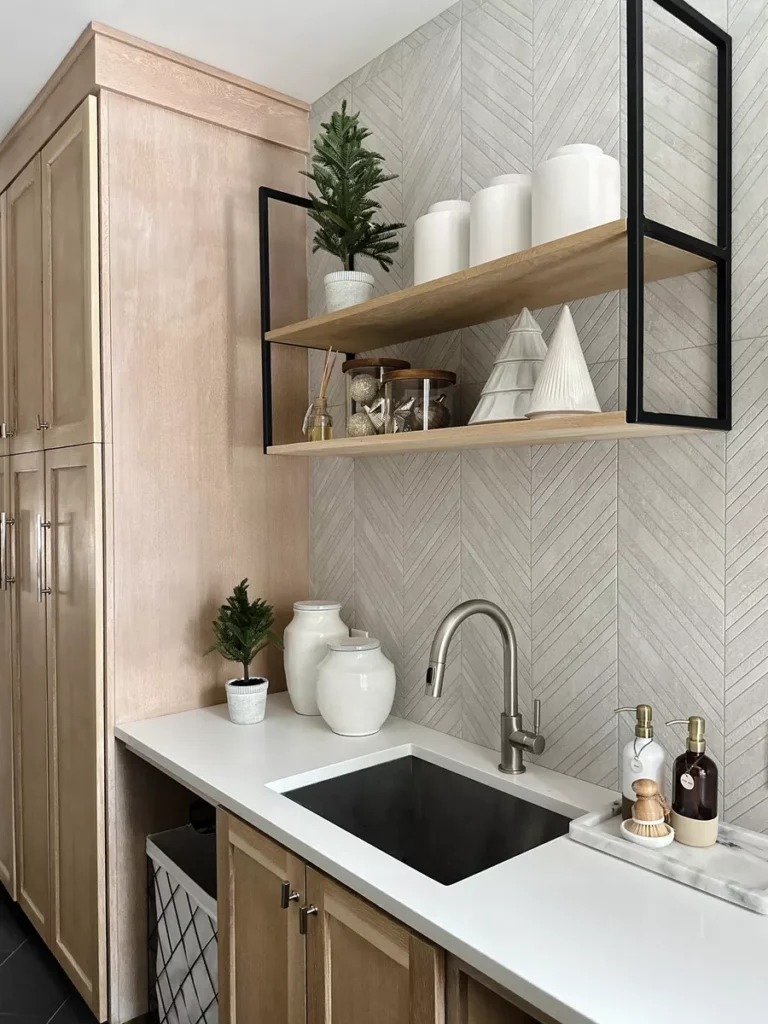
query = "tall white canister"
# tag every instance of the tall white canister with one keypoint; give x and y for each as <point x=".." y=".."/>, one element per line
<point x="500" y="218"/>
<point x="577" y="188"/>
<point x="441" y="241"/>
<point x="314" y="625"/>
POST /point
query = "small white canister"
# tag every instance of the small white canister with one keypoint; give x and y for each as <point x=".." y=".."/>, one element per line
<point x="500" y="218"/>
<point x="305" y="641"/>
<point x="577" y="188"/>
<point x="355" y="686"/>
<point x="441" y="241"/>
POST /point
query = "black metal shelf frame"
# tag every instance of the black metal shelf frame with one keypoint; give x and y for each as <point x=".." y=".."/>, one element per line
<point x="639" y="227"/>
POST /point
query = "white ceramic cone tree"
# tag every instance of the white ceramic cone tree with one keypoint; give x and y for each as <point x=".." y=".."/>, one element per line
<point x="564" y="386"/>
<point x="507" y="393"/>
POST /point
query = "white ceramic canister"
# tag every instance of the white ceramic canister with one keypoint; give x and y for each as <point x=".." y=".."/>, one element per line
<point x="577" y="188"/>
<point x="355" y="686"/>
<point x="305" y="641"/>
<point x="500" y="218"/>
<point x="345" y="288"/>
<point x="441" y="241"/>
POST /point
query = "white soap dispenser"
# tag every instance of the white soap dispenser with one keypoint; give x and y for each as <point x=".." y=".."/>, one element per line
<point x="642" y="758"/>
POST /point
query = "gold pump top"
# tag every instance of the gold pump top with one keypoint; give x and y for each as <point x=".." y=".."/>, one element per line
<point x="697" y="744"/>
<point x="643" y="720"/>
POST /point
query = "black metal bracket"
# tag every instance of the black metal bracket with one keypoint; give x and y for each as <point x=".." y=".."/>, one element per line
<point x="639" y="227"/>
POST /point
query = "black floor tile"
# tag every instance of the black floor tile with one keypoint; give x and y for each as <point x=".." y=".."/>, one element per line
<point x="33" y="987"/>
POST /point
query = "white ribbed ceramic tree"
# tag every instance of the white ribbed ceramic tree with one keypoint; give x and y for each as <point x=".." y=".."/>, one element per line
<point x="564" y="385"/>
<point x="507" y="393"/>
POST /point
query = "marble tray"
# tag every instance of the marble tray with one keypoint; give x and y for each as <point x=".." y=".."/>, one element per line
<point x="736" y="869"/>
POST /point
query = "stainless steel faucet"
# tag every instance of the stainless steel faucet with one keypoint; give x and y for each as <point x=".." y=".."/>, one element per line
<point x="514" y="738"/>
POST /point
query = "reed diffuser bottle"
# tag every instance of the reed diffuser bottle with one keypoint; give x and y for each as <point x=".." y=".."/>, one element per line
<point x="318" y="423"/>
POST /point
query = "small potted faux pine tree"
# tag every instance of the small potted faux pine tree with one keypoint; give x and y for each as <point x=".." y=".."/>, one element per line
<point x="346" y="174"/>
<point x="241" y="630"/>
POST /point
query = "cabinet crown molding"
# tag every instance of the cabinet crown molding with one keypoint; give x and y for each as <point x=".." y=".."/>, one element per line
<point x="105" y="58"/>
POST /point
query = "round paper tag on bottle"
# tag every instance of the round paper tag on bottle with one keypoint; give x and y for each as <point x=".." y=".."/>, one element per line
<point x="636" y="765"/>
<point x="686" y="781"/>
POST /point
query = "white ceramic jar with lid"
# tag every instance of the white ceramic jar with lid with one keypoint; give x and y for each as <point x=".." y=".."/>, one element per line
<point x="305" y="640"/>
<point x="500" y="218"/>
<point x="441" y="241"/>
<point x="355" y="686"/>
<point x="577" y="188"/>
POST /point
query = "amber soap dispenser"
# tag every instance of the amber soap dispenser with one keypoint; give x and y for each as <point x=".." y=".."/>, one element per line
<point x="694" y="789"/>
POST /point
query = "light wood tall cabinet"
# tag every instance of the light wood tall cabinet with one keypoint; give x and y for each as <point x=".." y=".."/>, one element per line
<point x="297" y="947"/>
<point x="133" y="481"/>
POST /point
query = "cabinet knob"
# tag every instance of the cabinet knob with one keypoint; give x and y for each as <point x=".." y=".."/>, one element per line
<point x="40" y="424"/>
<point x="288" y="895"/>
<point x="304" y="913"/>
<point x="6" y="431"/>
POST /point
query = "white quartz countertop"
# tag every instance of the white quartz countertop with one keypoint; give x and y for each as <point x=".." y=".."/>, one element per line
<point x="572" y="930"/>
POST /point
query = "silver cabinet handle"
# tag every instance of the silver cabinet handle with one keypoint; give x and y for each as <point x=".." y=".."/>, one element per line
<point x="6" y="432"/>
<point x="288" y="895"/>
<point x="304" y="914"/>
<point x="40" y="424"/>
<point x="40" y="525"/>
<point x="5" y="522"/>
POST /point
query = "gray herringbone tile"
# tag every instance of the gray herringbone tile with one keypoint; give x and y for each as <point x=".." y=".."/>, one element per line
<point x="331" y="530"/>
<point x="496" y="565"/>
<point x="672" y="582"/>
<point x="573" y="577"/>
<point x="496" y="91"/>
<point x="746" y="659"/>
<point x="431" y="582"/>
<point x="749" y="28"/>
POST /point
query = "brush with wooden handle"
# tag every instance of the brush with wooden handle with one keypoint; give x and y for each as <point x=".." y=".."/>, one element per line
<point x="648" y="812"/>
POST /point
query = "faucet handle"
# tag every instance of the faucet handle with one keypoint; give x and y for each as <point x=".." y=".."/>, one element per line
<point x="537" y="716"/>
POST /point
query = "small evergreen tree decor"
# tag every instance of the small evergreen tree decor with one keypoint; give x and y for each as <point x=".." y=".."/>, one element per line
<point x="346" y="173"/>
<point x="242" y="629"/>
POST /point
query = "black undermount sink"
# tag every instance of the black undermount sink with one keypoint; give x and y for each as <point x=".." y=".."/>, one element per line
<point x="440" y="823"/>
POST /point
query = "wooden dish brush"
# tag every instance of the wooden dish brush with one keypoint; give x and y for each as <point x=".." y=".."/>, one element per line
<point x="649" y="812"/>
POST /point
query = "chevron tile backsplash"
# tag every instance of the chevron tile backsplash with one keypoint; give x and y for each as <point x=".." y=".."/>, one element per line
<point x="631" y="571"/>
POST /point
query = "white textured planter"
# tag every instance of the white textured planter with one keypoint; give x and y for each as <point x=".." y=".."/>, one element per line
<point x="247" y="704"/>
<point x="305" y="641"/>
<point x="355" y="687"/>
<point x="346" y="288"/>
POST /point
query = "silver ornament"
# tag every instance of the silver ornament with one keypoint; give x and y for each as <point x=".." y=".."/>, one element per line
<point x="363" y="388"/>
<point x="359" y="425"/>
<point x="438" y="414"/>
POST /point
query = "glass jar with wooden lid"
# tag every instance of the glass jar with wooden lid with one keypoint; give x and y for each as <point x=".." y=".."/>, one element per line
<point x="365" y="393"/>
<point x="418" y="399"/>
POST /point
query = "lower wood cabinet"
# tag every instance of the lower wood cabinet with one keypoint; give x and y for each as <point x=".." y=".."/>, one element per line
<point x="472" y="998"/>
<point x="354" y="965"/>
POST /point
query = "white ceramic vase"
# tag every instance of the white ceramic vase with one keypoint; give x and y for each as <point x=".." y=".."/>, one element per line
<point x="247" y="702"/>
<point x="564" y="386"/>
<point x="346" y="288"/>
<point x="441" y="241"/>
<point x="507" y="392"/>
<point x="305" y="642"/>
<point x="500" y="218"/>
<point x="577" y="188"/>
<point x="355" y="686"/>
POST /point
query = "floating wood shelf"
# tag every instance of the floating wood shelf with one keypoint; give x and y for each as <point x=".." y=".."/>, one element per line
<point x="601" y="426"/>
<point x="589" y="263"/>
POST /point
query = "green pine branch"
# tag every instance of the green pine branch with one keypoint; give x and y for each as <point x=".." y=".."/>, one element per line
<point x="242" y="628"/>
<point x="346" y="173"/>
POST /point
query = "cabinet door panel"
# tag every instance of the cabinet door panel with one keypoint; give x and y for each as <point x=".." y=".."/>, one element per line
<point x="474" y="999"/>
<point x="364" y="966"/>
<point x="24" y="253"/>
<point x="7" y="823"/>
<point x="262" y="973"/>
<point x="74" y="566"/>
<point x="30" y="709"/>
<point x="4" y="410"/>
<point x="71" y="398"/>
